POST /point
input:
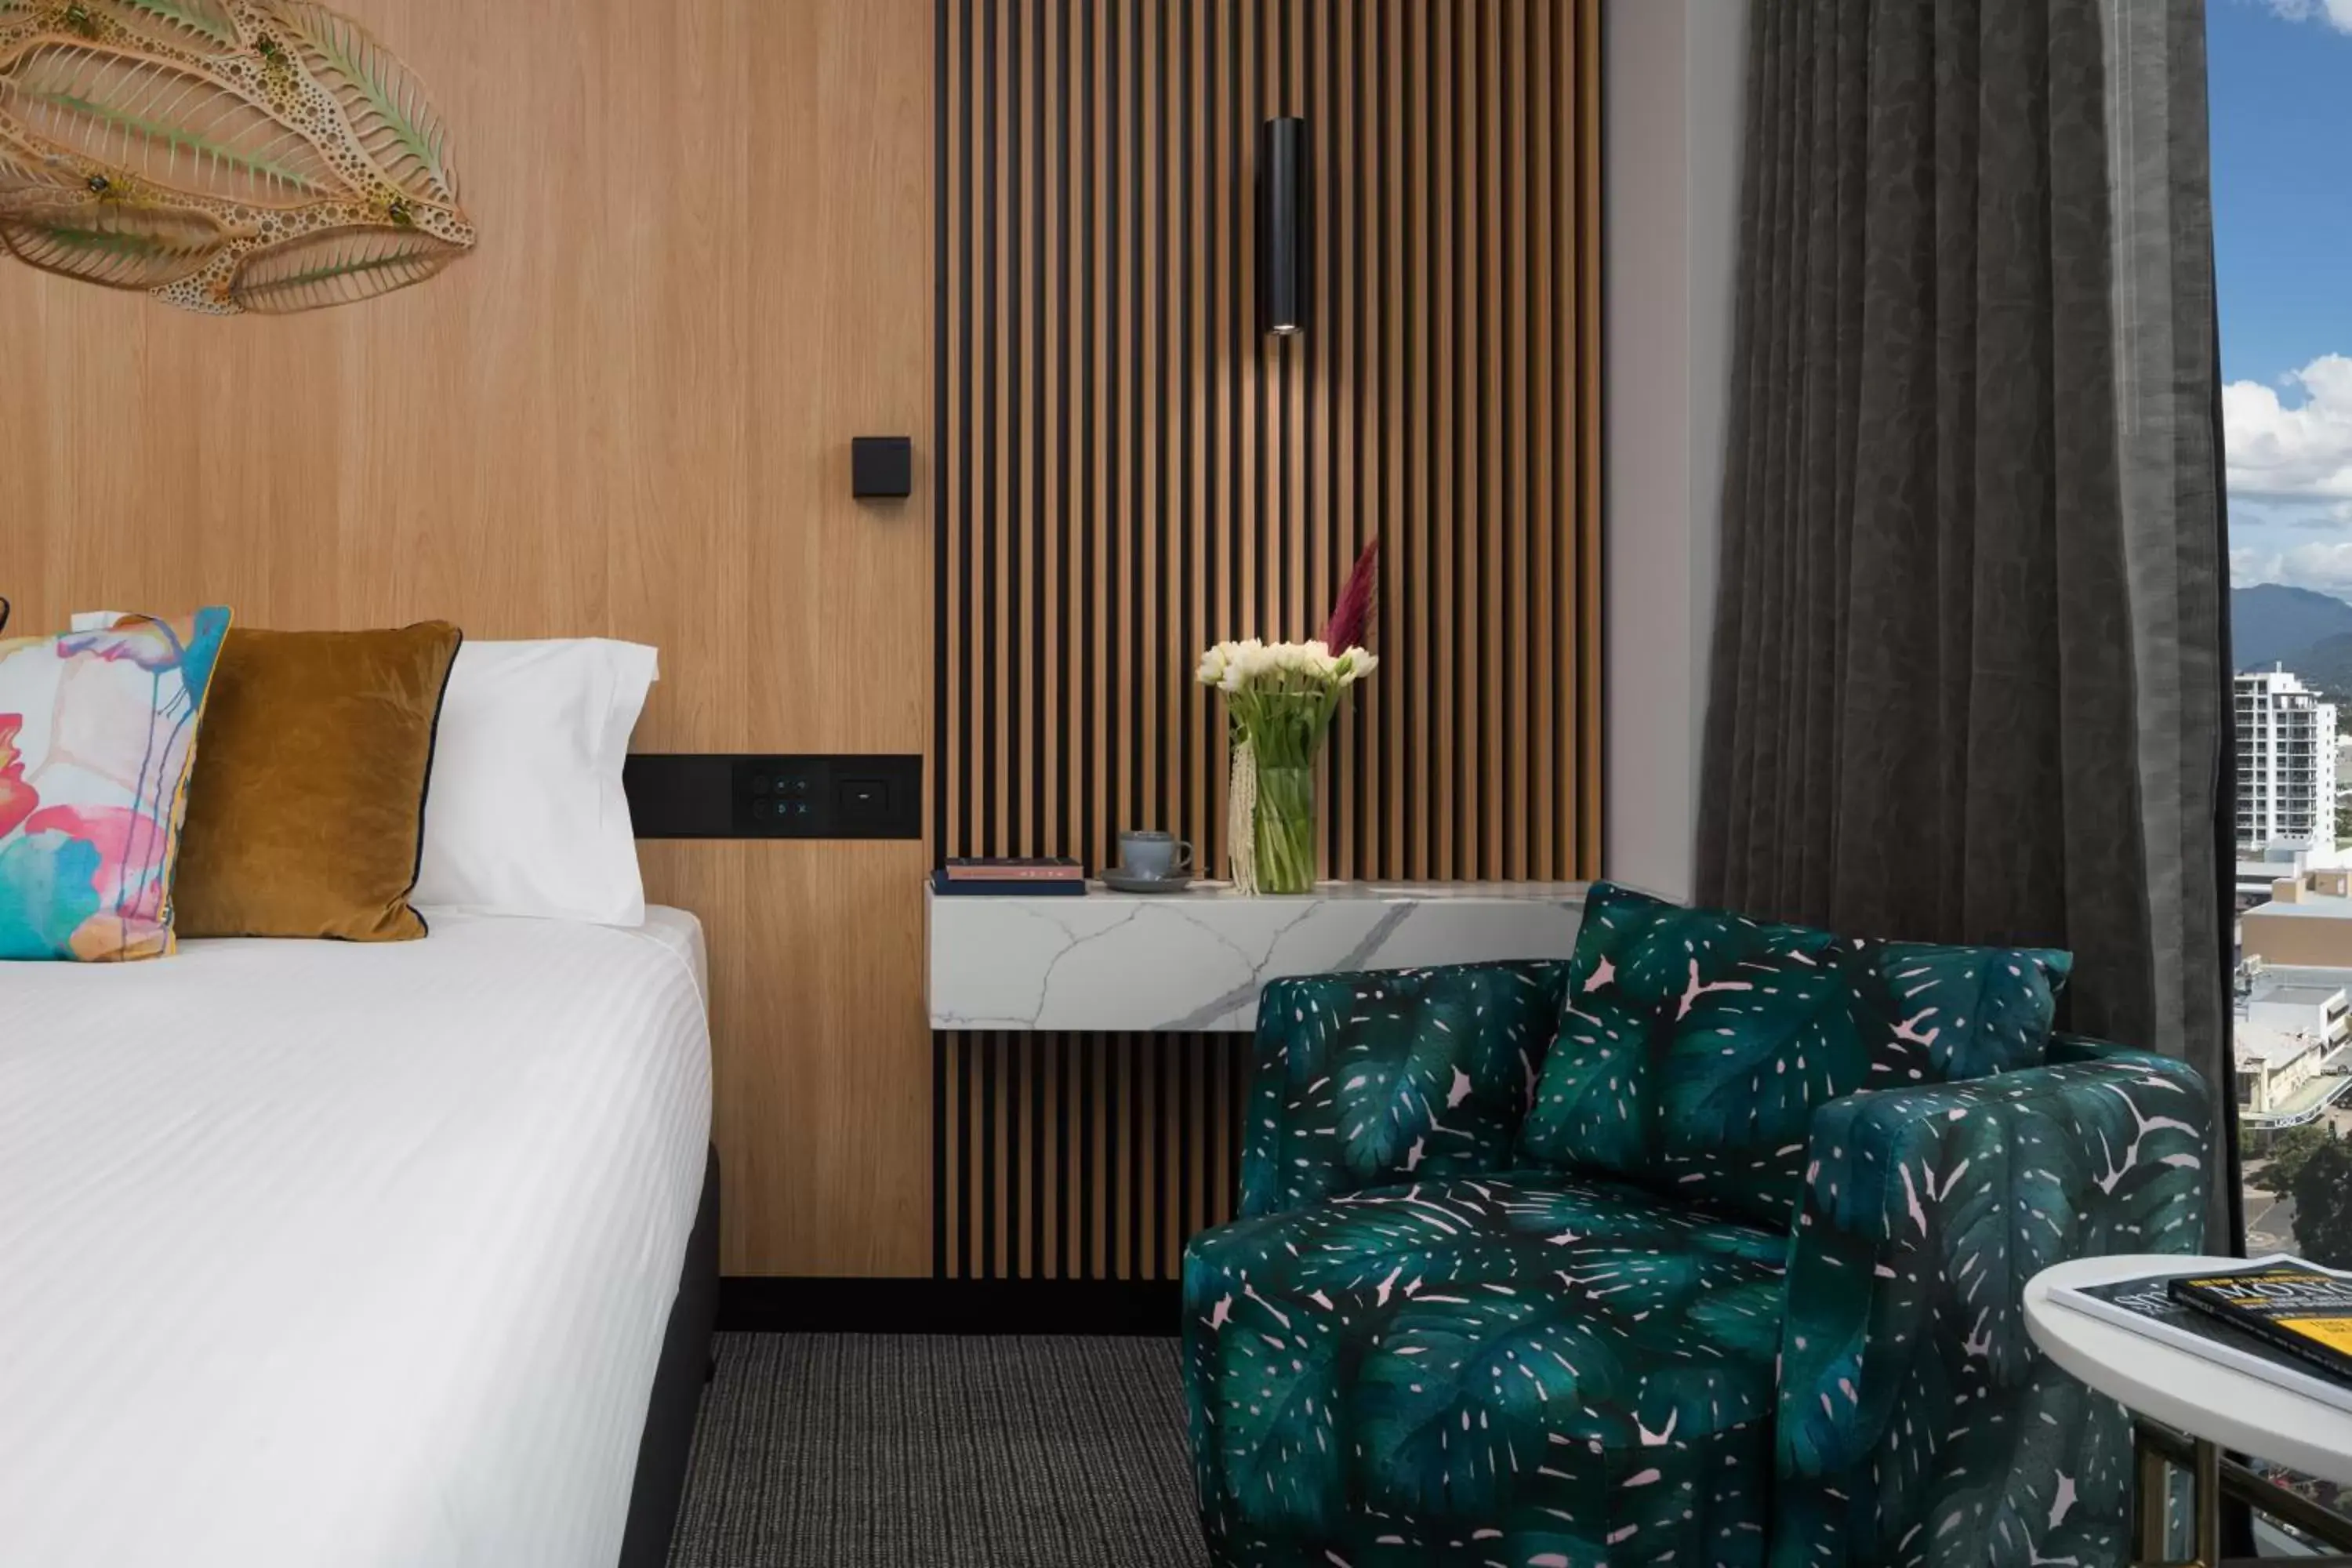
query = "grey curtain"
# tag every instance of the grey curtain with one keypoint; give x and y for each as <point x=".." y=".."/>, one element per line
<point x="1967" y="678"/>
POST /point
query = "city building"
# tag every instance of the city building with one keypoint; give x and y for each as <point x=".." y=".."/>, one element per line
<point x="2292" y="1026"/>
<point x="2307" y="920"/>
<point x="2286" y="762"/>
<point x="2261" y="868"/>
<point x="2279" y="1081"/>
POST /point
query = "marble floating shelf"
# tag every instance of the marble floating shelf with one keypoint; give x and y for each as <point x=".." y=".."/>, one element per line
<point x="1195" y="961"/>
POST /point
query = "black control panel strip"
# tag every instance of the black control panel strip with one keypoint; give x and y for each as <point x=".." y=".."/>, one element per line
<point x="715" y="795"/>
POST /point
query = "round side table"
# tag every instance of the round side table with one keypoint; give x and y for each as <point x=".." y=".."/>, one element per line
<point x="2187" y="1410"/>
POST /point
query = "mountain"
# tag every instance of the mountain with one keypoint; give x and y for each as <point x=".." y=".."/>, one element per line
<point x="2325" y="665"/>
<point x="2269" y="622"/>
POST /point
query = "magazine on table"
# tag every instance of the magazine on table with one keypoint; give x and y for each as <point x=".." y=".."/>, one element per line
<point x="2146" y="1304"/>
<point x="2294" y="1306"/>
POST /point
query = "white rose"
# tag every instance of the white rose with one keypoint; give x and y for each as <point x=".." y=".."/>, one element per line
<point x="1213" y="666"/>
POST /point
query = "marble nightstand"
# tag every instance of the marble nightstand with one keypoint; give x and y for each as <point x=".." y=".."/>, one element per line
<point x="1196" y="960"/>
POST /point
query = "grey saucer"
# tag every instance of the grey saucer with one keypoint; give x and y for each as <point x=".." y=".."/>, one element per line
<point x="1121" y="882"/>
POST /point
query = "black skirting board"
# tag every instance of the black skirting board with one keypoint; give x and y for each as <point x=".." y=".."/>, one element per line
<point x="678" y="1379"/>
<point x="814" y="1306"/>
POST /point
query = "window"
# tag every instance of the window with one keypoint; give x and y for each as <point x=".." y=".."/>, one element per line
<point x="2282" y="117"/>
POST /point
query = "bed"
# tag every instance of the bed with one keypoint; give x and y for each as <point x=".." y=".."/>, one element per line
<point x="313" y="1253"/>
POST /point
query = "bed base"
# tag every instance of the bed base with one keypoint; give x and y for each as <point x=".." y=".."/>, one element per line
<point x="684" y="1367"/>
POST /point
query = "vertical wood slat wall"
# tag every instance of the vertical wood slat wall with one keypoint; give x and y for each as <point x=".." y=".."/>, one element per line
<point x="1130" y="470"/>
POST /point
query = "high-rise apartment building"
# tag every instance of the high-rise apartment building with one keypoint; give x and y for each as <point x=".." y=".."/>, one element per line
<point x="2286" y="762"/>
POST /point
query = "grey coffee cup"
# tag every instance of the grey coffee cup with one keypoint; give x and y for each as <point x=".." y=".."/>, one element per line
<point x="1153" y="857"/>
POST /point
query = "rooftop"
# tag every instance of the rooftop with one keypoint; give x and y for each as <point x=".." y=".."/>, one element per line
<point x="2293" y="996"/>
<point x="2305" y="905"/>
<point x="2324" y="977"/>
<point x="2272" y="1047"/>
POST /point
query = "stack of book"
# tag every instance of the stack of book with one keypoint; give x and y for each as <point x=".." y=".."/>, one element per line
<point x="1029" y="876"/>
<point x="2279" y="1319"/>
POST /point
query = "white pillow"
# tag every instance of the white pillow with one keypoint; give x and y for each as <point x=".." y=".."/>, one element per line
<point x="525" y="814"/>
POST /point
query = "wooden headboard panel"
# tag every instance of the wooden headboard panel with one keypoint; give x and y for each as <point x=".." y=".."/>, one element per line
<point x="705" y="265"/>
<point x="1131" y="468"/>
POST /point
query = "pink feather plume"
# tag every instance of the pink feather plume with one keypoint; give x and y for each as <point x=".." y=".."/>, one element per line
<point x="1351" y="617"/>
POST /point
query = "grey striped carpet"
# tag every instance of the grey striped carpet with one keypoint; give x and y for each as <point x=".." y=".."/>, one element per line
<point x="858" y="1451"/>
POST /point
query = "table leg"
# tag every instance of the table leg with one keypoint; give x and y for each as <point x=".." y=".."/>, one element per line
<point x="2151" y="1538"/>
<point x="2151" y="1526"/>
<point x="2217" y="1480"/>
<point x="2206" y="1504"/>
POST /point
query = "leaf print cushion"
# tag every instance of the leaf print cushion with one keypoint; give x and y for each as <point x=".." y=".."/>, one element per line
<point x="1695" y="1044"/>
<point x="98" y="731"/>
<point x="1385" y="1074"/>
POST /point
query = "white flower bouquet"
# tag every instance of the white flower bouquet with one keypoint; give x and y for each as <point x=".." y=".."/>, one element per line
<point x="1281" y="699"/>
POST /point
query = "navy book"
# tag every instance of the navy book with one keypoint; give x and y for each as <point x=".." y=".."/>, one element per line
<point x="1015" y="868"/>
<point x="1024" y="879"/>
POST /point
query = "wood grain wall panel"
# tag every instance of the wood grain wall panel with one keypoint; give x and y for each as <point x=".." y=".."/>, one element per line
<point x="1084" y="1156"/>
<point x="1131" y="470"/>
<point x="705" y="265"/>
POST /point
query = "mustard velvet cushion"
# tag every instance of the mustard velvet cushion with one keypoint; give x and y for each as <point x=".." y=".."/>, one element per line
<point x="306" y="813"/>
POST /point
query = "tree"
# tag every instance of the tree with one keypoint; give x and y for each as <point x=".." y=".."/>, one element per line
<point x="2289" y="1151"/>
<point x="2321" y="1187"/>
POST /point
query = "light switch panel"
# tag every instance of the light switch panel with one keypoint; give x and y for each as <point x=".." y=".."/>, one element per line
<point x="775" y="796"/>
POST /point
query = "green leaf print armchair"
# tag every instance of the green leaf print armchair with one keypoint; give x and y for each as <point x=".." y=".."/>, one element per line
<point x="1704" y="1247"/>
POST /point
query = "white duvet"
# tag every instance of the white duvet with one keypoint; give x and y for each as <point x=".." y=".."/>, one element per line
<point x="323" y="1256"/>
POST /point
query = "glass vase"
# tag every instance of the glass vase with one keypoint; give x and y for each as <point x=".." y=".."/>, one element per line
<point x="1285" y="831"/>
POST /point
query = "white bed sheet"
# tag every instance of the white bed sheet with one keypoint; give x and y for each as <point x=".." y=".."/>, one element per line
<point x="316" y="1254"/>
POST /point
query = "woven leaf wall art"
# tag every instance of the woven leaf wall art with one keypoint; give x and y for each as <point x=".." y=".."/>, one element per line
<point x="225" y="155"/>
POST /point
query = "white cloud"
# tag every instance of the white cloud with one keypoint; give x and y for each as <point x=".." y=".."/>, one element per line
<point x="2301" y="453"/>
<point x="2336" y="13"/>
<point x="2326" y="567"/>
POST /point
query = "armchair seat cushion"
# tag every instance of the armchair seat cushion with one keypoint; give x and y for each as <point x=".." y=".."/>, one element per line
<point x="1530" y="1368"/>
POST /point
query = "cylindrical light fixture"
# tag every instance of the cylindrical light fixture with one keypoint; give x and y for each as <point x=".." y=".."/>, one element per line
<point x="1282" y="227"/>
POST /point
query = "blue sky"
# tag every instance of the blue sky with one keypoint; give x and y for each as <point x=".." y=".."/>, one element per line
<point x="2281" y="105"/>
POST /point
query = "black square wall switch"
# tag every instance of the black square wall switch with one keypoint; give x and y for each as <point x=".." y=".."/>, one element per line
<point x="882" y="466"/>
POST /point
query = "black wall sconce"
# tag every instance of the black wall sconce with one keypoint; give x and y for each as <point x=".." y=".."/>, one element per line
<point x="1282" y="227"/>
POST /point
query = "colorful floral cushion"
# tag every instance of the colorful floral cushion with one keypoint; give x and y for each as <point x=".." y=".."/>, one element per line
<point x="1694" y="1046"/>
<point x="1526" y="1368"/>
<point x="98" y="731"/>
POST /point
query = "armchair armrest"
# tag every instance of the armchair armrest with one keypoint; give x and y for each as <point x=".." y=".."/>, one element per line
<point x="1388" y="1075"/>
<point x="1917" y="1422"/>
